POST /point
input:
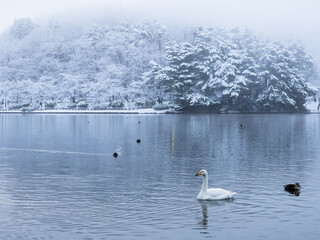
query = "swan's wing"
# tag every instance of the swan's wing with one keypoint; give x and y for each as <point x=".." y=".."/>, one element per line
<point x="219" y="193"/>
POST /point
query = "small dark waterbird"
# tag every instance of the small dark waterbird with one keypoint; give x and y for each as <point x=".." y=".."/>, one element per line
<point x="138" y="141"/>
<point x="292" y="187"/>
<point x="117" y="152"/>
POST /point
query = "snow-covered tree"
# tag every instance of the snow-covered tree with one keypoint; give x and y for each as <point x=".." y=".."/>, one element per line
<point x="101" y="65"/>
<point x="21" y="28"/>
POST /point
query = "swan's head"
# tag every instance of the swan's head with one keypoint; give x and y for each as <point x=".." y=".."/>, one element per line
<point x="202" y="172"/>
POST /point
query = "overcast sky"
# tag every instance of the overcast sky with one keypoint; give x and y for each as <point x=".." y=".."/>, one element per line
<point x="282" y="19"/>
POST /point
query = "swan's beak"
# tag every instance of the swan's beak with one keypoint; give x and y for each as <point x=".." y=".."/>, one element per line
<point x="199" y="173"/>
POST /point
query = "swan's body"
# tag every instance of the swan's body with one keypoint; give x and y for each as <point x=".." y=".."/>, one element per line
<point x="212" y="193"/>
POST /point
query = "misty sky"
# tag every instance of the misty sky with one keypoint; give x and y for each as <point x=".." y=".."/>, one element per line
<point x="281" y="19"/>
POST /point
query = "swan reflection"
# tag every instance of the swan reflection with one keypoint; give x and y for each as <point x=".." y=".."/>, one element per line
<point x="204" y="206"/>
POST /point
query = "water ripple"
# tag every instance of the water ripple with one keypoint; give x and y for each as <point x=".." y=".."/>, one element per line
<point x="149" y="192"/>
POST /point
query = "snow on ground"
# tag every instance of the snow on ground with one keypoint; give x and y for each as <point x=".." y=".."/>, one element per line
<point x="312" y="106"/>
<point x="135" y="111"/>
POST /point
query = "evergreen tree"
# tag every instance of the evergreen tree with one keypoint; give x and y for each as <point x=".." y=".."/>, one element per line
<point x="101" y="65"/>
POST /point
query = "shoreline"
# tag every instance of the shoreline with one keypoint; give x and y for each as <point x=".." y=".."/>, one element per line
<point x="311" y="108"/>
<point x="63" y="111"/>
<point x="141" y="111"/>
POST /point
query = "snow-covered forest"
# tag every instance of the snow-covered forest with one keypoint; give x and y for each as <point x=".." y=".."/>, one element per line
<point x="128" y="65"/>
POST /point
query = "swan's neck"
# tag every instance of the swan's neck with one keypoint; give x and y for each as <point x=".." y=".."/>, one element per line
<point x="204" y="184"/>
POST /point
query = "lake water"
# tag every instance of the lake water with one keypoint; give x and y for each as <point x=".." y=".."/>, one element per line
<point x="59" y="180"/>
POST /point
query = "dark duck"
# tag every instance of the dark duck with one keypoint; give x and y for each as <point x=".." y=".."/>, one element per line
<point x="293" y="188"/>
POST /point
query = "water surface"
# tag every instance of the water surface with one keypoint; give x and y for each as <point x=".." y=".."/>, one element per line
<point x="59" y="180"/>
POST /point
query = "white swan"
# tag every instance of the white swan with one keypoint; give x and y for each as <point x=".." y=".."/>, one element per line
<point x="212" y="193"/>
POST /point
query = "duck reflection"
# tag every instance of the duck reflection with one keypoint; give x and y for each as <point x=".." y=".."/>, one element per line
<point x="294" y="192"/>
<point x="205" y="205"/>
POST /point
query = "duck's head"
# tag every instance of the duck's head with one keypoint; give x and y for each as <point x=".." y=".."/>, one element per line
<point x="202" y="172"/>
<point x="297" y="185"/>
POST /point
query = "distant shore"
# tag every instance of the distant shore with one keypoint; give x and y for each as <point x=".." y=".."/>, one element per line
<point x="67" y="111"/>
<point x="142" y="111"/>
<point x="311" y="108"/>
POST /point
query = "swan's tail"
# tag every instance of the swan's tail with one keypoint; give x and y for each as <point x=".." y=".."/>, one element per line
<point x="232" y="194"/>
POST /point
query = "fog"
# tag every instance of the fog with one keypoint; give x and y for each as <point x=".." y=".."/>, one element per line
<point x="280" y="20"/>
<point x="285" y="18"/>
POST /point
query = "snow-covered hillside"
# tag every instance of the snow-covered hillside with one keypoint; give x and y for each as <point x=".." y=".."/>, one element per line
<point x="132" y="65"/>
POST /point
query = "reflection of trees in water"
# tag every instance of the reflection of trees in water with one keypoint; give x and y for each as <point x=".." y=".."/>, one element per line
<point x="205" y="205"/>
<point x="272" y="147"/>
